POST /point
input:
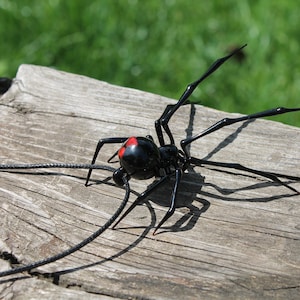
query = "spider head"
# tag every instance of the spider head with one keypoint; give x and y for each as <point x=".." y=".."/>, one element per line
<point x="139" y="158"/>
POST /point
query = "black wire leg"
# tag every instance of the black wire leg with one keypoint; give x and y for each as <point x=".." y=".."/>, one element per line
<point x="141" y="198"/>
<point x="113" y="140"/>
<point x="229" y="121"/>
<point x="152" y="188"/>
<point x="79" y="245"/>
<point x="170" y="212"/>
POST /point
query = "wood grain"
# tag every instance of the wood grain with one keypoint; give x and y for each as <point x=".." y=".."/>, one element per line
<point x="233" y="235"/>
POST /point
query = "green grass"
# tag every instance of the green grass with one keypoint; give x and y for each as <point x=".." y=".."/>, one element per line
<point x="161" y="46"/>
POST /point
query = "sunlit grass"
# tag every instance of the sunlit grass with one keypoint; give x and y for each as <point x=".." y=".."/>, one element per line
<point x="161" y="46"/>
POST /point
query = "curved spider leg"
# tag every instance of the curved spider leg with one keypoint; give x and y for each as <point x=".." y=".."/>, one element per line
<point x="228" y="121"/>
<point x="141" y="198"/>
<point x="273" y="177"/>
<point x="170" y="212"/>
<point x="112" y="140"/>
<point x="171" y="109"/>
<point x="78" y="246"/>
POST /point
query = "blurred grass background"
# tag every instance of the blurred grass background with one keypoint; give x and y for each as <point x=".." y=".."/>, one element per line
<point x="161" y="46"/>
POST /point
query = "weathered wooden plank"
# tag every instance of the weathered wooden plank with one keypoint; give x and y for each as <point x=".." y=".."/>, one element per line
<point x="235" y="235"/>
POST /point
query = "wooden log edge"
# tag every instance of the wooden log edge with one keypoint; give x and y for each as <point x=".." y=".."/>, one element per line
<point x="234" y="235"/>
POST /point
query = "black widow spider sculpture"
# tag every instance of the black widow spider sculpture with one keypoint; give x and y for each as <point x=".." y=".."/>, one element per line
<point x="141" y="158"/>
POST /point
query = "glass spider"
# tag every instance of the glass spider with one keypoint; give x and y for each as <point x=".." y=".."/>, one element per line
<point x="141" y="158"/>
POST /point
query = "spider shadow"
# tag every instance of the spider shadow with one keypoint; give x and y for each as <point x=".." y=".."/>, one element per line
<point x="189" y="218"/>
<point x="226" y="194"/>
<point x="191" y="185"/>
<point x="191" y="190"/>
<point x="188" y="191"/>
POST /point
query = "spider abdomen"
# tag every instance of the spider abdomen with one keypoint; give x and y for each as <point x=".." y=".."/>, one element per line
<point x="140" y="157"/>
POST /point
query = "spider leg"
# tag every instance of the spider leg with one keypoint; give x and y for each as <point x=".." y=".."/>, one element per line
<point x="158" y="124"/>
<point x="170" y="212"/>
<point x="163" y="121"/>
<point x="141" y="198"/>
<point x="199" y="162"/>
<point x="112" y="140"/>
<point x="228" y="121"/>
